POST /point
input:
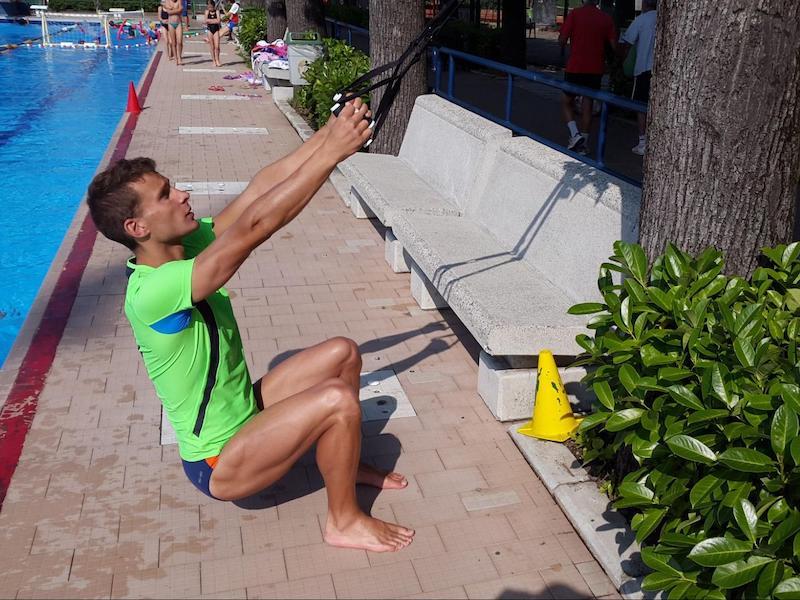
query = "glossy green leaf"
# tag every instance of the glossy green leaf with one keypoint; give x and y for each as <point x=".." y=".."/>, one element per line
<point x="789" y="589"/>
<point x="790" y="254"/>
<point x="661" y="298"/>
<point x="786" y="528"/>
<point x="691" y="449"/>
<point x="744" y="352"/>
<point x="628" y="377"/>
<point x="791" y="396"/>
<point x="717" y="551"/>
<point x="769" y="577"/>
<point x="681" y="591"/>
<point x="683" y="395"/>
<point x="651" y="519"/>
<point x="784" y="429"/>
<point x="708" y="415"/>
<point x="745" y="514"/>
<point x="586" y="308"/>
<point x="702" y="491"/>
<point x="593" y="420"/>
<point x="674" y="374"/>
<point x="631" y="490"/>
<point x="624" y="418"/>
<point x="778" y="511"/>
<point x="738" y="573"/>
<point x="747" y="460"/>
<point x="604" y="394"/>
<point x="625" y="314"/>
<point x="673" y="262"/>
<point x="659" y="562"/>
<point x="720" y="383"/>
<point x="657" y="581"/>
<point x="634" y="258"/>
<point x="794" y="450"/>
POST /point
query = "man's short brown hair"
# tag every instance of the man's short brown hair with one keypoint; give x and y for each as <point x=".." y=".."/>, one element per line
<point x="112" y="200"/>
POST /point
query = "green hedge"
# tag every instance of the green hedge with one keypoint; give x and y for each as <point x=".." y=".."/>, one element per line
<point x="340" y="64"/>
<point x="697" y="374"/>
<point x="252" y="28"/>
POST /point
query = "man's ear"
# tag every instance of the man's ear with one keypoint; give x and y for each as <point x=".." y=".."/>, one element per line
<point x="135" y="229"/>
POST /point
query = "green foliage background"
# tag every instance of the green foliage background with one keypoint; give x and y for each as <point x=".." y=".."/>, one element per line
<point x="340" y="65"/>
<point x="697" y="374"/>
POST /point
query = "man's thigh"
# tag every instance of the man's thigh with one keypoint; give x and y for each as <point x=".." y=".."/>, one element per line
<point x="303" y="370"/>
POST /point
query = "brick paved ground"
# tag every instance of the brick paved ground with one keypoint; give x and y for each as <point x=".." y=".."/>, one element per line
<point x="98" y="508"/>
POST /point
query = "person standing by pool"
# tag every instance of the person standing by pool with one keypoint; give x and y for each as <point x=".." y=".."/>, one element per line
<point x="235" y="438"/>
<point x="175" y="29"/>
<point x="165" y="30"/>
<point x="185" y="14"/>
<point x="213" y="26"/>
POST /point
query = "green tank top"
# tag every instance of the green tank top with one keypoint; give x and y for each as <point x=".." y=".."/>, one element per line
<point x="193" y="352"/>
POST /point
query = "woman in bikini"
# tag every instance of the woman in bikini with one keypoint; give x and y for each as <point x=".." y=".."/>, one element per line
<point x="213" y="26"/>
<point x="165" y="31"/>
<point x="175" y="29"/>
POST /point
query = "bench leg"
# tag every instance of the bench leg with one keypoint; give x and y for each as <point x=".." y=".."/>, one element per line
<point x="395" y="254"/>
<point x="507" y="386"/>
<point x="359" y="207"/>
<point x="423" y="290"/>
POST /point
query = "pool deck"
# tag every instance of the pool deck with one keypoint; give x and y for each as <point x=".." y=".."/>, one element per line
<point x="98" y="508"/>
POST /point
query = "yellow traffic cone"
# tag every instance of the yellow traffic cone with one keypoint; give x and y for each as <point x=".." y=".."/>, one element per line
<point x="552" y="415"/>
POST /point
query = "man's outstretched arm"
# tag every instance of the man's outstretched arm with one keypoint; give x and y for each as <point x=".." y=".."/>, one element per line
<point x="276" y="207"/>
<point x="267" y="178"/>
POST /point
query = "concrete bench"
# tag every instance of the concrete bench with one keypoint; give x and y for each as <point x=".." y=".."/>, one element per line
<point x="435" y="173"/>
<point x="528" y="245"/>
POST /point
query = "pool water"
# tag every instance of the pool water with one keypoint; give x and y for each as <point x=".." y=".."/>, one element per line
<point x="58" y="111"/>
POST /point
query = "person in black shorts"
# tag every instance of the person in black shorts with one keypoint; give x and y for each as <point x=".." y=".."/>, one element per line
<point x="213" y="26"/>
<point x="165" y="30"/>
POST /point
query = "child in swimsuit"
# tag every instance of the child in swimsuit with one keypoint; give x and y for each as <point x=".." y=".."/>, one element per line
<point x="175" y="29"/>
<point x="212" y="19"/>
<point x="165" y="31"/>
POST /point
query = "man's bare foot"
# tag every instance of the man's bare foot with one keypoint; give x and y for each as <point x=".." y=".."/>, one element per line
<point x="370" y="534"/>
<point x="386" y="480"/>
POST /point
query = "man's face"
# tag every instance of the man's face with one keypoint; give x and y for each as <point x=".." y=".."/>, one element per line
<point x="164" y="213"/>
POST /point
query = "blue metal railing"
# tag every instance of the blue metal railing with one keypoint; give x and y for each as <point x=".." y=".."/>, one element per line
<point x="605" y="98"/>
<point x="344" y="31"/>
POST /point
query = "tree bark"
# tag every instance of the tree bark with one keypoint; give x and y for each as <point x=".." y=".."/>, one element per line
<point x="723" y="152"/>
<point x="305" y="15"/>
<point x="392" y="26"/>
<point x="512" y="37"/>
<point x="276" y="19"/>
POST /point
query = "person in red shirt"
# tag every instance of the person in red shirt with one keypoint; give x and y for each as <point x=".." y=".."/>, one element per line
<point x="587" y="29"/>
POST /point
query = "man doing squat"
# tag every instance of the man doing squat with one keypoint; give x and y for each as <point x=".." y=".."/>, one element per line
<point x="235" y="438"/>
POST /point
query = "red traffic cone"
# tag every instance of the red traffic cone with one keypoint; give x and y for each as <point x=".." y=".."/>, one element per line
<point x="133" y="101"/>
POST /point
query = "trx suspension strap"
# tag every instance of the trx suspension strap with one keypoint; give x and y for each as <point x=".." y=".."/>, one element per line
<point x="398" y="68"/>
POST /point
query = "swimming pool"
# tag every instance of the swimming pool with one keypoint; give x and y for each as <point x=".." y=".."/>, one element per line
<point x="58" y="110"/>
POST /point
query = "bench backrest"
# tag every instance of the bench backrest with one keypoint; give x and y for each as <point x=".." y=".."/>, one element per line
<point x="446" y="146"/>
<point x="560" y="214"/>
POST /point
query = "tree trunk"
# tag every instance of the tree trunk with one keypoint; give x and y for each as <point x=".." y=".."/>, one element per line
<point x="276" y="19"/>
<point x="305" y="15"/>
<point x="392" y="26"/>
<point x="512" y="37"/>
<point x="723" y="152"/>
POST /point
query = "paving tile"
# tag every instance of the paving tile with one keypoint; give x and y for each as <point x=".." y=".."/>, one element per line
<point x="188" y="547"/>
<point x="429" y="511"/>
<point x="453" y="592"/>
<point x="575" y="548"/>
<point x="596" y="579"/>
<point x="178" y="581"/>
<point x="388" y="581"/>
<point x="320" y="586"/>
<point x="564" y="581"/>
<point x="320" y="559"/>
<point x="474" y="454"/>
<point x="514" y="558"/>
<point x="521" y="587"/>
<point x="478" y="532"/>
<point x="248" y="570"/>
<point x="284" y="533"/>
<point x="453" y="569"/>
<point x="450" y="481"/>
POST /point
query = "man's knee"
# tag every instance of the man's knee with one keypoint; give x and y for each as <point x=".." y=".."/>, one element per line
<point x="341" y="399"/>
<point x="345" y="349"/>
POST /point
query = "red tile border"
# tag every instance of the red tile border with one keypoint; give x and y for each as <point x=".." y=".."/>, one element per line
<point x="19" y="409"/>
